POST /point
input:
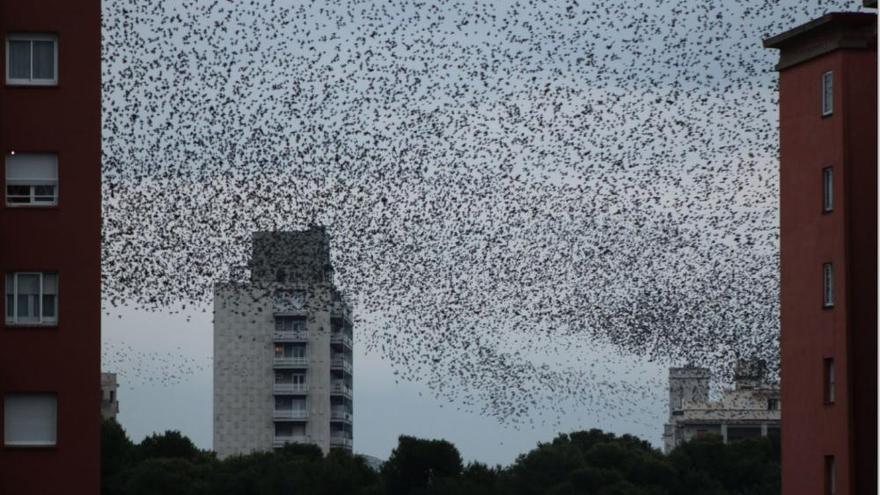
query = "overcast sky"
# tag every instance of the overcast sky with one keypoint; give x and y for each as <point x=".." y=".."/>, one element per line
<point x="164" y="359"/>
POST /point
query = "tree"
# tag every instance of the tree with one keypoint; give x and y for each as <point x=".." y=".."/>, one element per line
<point x="117" y="452"/>
<point x="171" y="444"/>
<point x="417" y="464"/>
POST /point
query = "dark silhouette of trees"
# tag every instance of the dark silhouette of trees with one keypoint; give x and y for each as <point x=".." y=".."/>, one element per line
<point x="585" y="462"/>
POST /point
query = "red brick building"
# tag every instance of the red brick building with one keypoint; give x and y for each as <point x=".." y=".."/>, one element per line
<point x="828" y="242"/>
<point x="50" y="235"/>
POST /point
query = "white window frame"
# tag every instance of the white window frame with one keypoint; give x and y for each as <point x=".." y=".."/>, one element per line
<point x="827" y="189"/>
<point x="827" y="93"/>
<point x="42" y="320"/>
<point x="828" y="285"/>
<point x="32" y="37"/>
<point x="32" y="191"/>
<point x="830" y="385"/>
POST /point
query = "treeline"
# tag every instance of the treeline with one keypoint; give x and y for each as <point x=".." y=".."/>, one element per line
<point x="586" y="462"/>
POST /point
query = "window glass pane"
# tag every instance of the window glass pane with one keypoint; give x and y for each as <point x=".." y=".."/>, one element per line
<point x="18" y="194"/>
<point x="49" y="306"/>
<point x="10" y="306"/>
<point x="27" y="309"/>
<point x="19" y="60"/>
<point x="828" y="189"/>
<point x="44" y="194"/>
<point x="30" y="419"/>
<point x="827" y="93"/>
<point x="44" y="60"/>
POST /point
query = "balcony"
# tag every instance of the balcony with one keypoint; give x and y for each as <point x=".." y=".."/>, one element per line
<point x="290" y="388"/>
<point x="290" y="414"/>
<point x="340" y="363"/>
<point x="290" y="301"/>
<point x="340" y="442"/>
<point x="340" y="338"/>
<point x="291" y="336"/>
<point x="340" y="415"/>
<point x="341" y="389"/>
<point x="281" y="440"/>
<point x="290" y="362"/>
<point x="338" y="309"/>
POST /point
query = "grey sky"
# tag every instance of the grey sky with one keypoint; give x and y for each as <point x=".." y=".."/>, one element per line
<point x="203" y="117"/>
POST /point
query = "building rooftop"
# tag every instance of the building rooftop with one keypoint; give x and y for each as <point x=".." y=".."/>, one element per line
<point x="836" y="30"/>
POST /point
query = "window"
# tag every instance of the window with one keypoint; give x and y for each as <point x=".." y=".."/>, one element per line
<point x="31" y="298"/>
<point x="772" y="404"/>
<point x="30" y="420"/>
<point x="290" y="351"/>
<point x="32" y="59"/>
<point x="290" y="324"/>
<point x="828" y="285"/>
<point x="31" y="179"/>
<point x="829" y="380"/>
<point x="827" y="189"/>
<point x="830" y="475"/>
<point x="827" y="93"/>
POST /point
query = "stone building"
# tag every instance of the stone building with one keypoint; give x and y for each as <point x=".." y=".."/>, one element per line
<point x="109" y="398"/>
<point x="751" y="409"/>
<point x="283" y="350"/>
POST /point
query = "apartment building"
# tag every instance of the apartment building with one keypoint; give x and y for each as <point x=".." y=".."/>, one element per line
<point x="283" y="350"/>
<point x="751" y="409"/>
<point x="828" y="251"/>
<point x="50" y="246"/>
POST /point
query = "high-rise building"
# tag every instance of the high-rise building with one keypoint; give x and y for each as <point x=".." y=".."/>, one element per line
<point x="283" y="350"/>
<point x="50" y="246"/>
<point x="751" y="409"/>
<point x="828" y="252"/>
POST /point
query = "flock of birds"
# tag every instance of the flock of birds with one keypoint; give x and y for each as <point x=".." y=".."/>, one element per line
<point x="499" y="178"/>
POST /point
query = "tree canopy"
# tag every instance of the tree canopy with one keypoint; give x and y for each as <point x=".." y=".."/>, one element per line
<point x="584" y="462"/>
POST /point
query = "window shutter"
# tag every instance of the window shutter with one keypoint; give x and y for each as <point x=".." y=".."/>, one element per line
<point x="30" y="419"/>
<point x="31" y="169"/>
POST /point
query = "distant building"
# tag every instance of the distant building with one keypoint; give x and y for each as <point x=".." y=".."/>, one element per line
<point x="751" y="409"/>
<point x="109" y="399"/>
<point x="828" y="253"/>
<point x="283" y="350"/>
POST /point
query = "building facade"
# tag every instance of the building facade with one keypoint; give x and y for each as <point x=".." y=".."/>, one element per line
<point x="109" y="397"/>
<point x="751" y="409"/>
<point x="828" y="254"/>
<point x="50" y="246"/>
<point x="283" y="350"/>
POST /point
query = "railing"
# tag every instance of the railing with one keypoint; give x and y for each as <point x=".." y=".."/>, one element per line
<point x="339" y="309"/>
<point x="340" y="363"/>
<point x="341" y="442"/>
<point x="279" y="441"/>
<point x="340" y="415"/>
<point x="291" y="336"/>
<point x="291" y="362"/>
<point x="290" y="388"/>
<point x="290" y="414"/>
<point x="341" y="389"/>
<point x="340" y="338"/>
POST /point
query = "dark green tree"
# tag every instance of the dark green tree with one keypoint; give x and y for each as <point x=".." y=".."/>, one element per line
<point x="416" y="465"/>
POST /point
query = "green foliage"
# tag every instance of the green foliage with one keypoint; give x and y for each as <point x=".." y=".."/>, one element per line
<point x="586" y="462"/>
<point x="417" y="465"/>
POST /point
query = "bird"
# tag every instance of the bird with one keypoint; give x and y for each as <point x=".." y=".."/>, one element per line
<point x="498" y="179"/>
